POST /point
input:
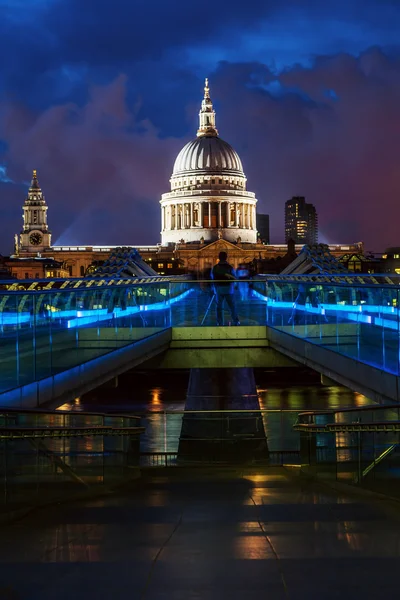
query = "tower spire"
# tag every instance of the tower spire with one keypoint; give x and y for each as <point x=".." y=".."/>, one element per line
<point x="35" y="234"/>
<point x="207" y="115"/>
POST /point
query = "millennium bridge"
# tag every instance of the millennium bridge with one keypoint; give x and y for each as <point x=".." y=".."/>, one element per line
<point x="261" y="524"/>
<point x="62" y="338"/>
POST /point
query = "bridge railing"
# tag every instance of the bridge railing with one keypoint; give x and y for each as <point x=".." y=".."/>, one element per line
<point x="357" y="316"/>
<point x="52" y="454"/>
<point x="46" y="331"/>
<point x="172" y="435"/>
<point x="361" y="444"/>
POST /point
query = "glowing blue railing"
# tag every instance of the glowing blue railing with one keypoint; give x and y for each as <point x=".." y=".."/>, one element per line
<point x="43" y="332"/>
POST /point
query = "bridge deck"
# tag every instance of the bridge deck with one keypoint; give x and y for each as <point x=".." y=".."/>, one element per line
<point x="193" y="534"/>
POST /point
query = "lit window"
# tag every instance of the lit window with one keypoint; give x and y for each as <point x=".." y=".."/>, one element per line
<point x="160" y="265"/>
<point x="169" y="266"/>
<point x="396" y="256"/>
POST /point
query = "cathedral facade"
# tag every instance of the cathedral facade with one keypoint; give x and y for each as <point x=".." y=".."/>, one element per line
<point x="208" y="198"/>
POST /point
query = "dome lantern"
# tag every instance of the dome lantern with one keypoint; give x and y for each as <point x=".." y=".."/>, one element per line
<point x="207" y="115"/>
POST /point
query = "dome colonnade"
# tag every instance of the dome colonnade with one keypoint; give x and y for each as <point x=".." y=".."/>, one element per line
<point x="208" y="197"/>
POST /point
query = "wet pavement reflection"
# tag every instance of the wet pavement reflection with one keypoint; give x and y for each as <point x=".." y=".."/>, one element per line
<point x="161" y="406"/>
<point x="210" y="534"/>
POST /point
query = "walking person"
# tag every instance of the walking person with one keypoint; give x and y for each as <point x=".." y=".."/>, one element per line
<point x="224" y="276"/>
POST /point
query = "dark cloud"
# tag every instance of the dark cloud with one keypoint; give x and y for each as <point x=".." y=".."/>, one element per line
<point x="341" y="153"/>
<point x="101" y="97"/>
<point x="101" y="169"/>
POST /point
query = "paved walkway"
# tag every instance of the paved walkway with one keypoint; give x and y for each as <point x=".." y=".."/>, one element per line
<point x="213" y="535"/>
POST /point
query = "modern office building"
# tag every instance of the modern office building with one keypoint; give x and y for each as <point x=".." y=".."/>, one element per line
<point x="263" y="228"/>
<point x="301" y="221"/>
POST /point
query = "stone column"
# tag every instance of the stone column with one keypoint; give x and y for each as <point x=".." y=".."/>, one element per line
<point x="176" y="216"/>
<point x="201" y="214"/>
<point x="162" y="218"/>
<point x="236" y="214"/>
<point x="232" y="437"/>
<point x="191" y="214"/>
<point x="219" y="224"/>
<point x="209" y="214"/>
<point x="228" y="214"/>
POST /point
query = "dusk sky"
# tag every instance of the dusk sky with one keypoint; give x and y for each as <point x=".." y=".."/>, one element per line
<point x="100" y="97"/>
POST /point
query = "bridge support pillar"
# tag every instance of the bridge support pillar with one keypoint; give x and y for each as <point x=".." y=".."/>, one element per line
<point x="222" y="435"/>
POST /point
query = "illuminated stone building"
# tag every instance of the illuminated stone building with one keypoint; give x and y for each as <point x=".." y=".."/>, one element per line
<point x="208" y="198"/>
<point x="207" y="210"/>
<point x="35" y="235"/>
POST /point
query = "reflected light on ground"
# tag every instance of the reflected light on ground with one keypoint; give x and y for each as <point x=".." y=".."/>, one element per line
<point x="260" y="478"/>
<point x="250" y="547"/>
<point x="155" y="396"/>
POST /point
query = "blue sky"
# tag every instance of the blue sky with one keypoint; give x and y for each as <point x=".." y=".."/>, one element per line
<point x="100" y="97"/>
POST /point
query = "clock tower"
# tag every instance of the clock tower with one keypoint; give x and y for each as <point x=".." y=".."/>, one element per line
<point x="35" y="235"/>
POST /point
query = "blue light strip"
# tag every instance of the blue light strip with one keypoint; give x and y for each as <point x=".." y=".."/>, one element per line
<point x="97" y="315"/>
<point x="352" y="313"/>
<point x="360" y="313"/>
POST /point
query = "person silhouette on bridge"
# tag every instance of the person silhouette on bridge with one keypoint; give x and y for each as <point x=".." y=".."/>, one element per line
<point x="224" y="276"/>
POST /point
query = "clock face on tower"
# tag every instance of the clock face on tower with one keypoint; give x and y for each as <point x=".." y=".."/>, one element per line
<point x="35" y="238"/>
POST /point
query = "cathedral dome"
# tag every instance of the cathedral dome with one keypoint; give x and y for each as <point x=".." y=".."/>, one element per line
<point x="208" y="154"/>
<point x="208" y="198"/>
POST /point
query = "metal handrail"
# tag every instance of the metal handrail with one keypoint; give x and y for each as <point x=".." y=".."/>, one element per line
<point x="345" y="280"/>
<point x="350" y="409"/>
<point x="377" y="426"/>
<point x="42" y="411"/>
<point x="10" y="433"/>
<point x="378" y="459"/>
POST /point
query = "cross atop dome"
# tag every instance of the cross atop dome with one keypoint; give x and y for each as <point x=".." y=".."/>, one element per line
<point x="207" y="115"/>
<point x="34" y="183"/>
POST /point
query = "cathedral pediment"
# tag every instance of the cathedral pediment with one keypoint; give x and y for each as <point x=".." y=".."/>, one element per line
<point x="218" y="246"/>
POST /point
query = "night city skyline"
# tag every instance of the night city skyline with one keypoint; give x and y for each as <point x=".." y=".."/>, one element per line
<point x="101" y="102"/>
